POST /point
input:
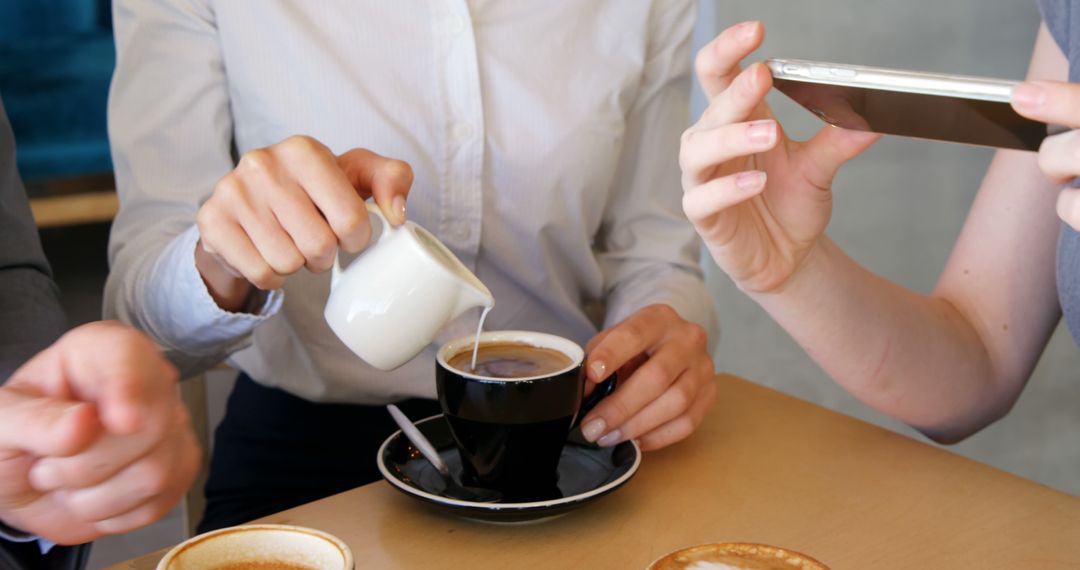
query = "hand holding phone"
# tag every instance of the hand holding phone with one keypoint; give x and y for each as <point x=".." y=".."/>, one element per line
<point x="759" y="200"/>
<point x="954" y="108"/>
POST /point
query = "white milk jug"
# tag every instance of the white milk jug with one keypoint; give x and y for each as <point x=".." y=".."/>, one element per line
<point x="392" y="299"/>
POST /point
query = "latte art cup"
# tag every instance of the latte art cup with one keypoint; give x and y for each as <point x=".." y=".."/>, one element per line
<point x="736" y="556"/>
<point x="510" y="432"/>
<point x="263" y="546"/>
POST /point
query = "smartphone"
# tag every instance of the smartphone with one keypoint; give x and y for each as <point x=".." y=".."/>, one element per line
<point x="970" y="110"/>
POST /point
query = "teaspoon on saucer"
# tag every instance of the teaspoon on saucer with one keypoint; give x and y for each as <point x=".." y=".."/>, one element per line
<point x="453" y="488"/>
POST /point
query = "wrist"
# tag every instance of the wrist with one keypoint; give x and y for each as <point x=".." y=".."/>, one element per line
<point x="804" y="275"/>
<point x="229" y="292"/>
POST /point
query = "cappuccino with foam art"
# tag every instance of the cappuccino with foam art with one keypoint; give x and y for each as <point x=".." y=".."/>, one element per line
<point x="736" y="556"/>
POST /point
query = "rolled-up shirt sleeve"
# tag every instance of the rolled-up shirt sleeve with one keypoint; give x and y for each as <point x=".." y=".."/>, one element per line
<point x="648" y="250"/>
<point x="171" y="133"/>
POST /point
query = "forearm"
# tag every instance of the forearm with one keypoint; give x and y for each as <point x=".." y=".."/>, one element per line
<point x="229" y="292"/>
<point x="912" y="356"/>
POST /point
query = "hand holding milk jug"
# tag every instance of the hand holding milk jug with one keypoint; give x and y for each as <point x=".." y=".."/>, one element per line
<point x="291" y="205"/>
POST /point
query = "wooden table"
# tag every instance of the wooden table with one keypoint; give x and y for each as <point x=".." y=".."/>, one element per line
<point x="764" y="467"/>
<point x="73" y="209"/>
<point x="72" y="200"/>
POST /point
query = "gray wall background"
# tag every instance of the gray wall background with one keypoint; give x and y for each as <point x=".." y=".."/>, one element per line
<point x="899" y="207"/>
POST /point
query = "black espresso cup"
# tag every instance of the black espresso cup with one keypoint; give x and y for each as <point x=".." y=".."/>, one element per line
<point x="510" y="417"/>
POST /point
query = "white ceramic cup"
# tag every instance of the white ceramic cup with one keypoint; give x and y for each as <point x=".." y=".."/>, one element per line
<point x="260" y="546"/>
<point x="388" y="304"/>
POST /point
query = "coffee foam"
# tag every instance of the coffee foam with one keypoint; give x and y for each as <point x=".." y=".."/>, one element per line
<point x="260" y="547"/>
<point x="736" y="556"/>
<point x="704" y="565"/>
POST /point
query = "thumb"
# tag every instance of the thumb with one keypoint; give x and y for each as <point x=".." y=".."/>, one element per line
<point x="110" y="364"/>
<point x="829" y="150"/>
<point x="45" y="426"/>
<point x="128" y="383"/>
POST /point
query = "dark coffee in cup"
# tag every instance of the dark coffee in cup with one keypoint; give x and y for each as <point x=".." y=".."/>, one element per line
<point x="510" y="418"/>
<point x="510" y="360"/>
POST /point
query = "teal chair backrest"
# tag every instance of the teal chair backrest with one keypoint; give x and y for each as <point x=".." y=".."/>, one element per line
<point x="56" y="58"/>
<point x="43" y="18"/>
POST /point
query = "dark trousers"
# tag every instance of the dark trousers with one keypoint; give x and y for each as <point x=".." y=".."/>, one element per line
<point x="28" y="556"/>
<point x="274" y="451"/>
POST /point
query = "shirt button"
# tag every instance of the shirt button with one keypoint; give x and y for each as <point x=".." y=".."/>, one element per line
<point x="460" y="231"/>
<point x="462" y="132"/>
<point x="457" y="25"/>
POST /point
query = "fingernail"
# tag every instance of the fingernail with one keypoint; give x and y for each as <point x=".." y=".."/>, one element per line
<point x="750" y="181"/>
<point x="746" y="30"/>
<point x="593" y="429"/>
<point x="69" y="413"/>
<point x="110" y="526"/>
<point x="761" y="133"/>
<point x="126" y="420"/>
<point x="44" y="477"/>
<point x="748" y="81"/>
<point x="72" y="409"/>
<point x="1029" y="95"/>
<point x="398" y="207"/>
<point x="599" y="370"/>
<point x="610" y="439"/>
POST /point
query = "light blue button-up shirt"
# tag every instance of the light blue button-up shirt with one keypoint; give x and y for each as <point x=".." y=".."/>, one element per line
<point x="543" y="136"/>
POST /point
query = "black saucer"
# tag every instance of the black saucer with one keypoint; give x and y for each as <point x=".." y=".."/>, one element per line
<point x="586" y="473"/>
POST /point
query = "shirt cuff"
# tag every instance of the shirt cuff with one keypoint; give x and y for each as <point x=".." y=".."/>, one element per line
<point x="12" y="535"/>
<point x="185" y="308"/>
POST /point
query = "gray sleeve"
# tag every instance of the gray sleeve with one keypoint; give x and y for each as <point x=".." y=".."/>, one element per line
<point x="31" y="317"/>
<point x="1056" y="15"/>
